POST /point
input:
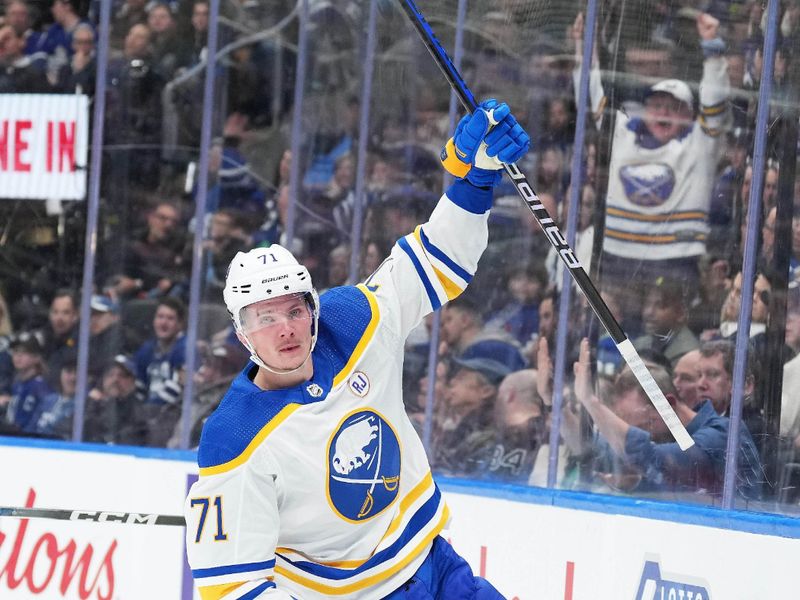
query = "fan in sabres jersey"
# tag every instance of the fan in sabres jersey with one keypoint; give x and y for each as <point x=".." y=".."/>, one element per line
<point x="662" y="171"/>
<point x="313" y="483"/>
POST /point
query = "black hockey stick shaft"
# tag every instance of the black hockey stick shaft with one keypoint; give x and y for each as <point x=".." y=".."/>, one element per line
<point x="554" y="235"/>
<point x="556" y="238"/>
<point x="96" y="516"/>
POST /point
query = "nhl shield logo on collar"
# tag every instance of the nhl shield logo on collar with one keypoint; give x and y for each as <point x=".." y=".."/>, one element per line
<point x="314" y="390"/>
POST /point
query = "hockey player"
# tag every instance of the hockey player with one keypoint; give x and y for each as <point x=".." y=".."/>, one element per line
<point x="662" y="170"/>
<point x="313" y="483"/>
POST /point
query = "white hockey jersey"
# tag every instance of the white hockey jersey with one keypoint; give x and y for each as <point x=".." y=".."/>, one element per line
<point x="659" y="196"/>
<point x="324" y="490"/>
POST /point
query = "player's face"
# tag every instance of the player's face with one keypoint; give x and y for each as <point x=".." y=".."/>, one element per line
<point x="666" y="117"/>
<point x="280" y="330"/>
<point x="714" y="382"/>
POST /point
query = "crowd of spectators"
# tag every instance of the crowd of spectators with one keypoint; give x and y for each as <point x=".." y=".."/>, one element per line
<point x="492" y="394"/>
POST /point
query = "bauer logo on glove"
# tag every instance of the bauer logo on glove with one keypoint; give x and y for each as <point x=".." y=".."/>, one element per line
<point x="483" y="142"/>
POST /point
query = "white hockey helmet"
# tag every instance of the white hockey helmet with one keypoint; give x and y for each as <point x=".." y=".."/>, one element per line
<point x="265" y="273"/>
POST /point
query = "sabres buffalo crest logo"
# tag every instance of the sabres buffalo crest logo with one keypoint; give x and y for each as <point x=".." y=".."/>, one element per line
<point x="363" y="466"/>
<point x="648" y="184"/>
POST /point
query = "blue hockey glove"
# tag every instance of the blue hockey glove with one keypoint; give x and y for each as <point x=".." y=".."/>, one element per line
<point x="483" y="141"/>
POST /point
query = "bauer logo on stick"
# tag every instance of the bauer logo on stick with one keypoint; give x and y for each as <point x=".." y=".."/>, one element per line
<point x="363" y="466"/>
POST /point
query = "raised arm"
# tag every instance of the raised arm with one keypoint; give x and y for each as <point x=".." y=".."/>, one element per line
<point x="715" y="87"/>
<point x="597" y="97"/>
<point x="610" y="426"/>
<point x="436" y="262"/>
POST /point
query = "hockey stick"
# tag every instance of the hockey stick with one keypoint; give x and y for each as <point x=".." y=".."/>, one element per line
<point x="556" y="238"/>
<point x="95" y="516"/>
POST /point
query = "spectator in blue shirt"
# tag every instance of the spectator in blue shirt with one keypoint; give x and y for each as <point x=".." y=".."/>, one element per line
<point x="29" y="389"/>
<point x="520" y="316"/>
<point x="54" y="46"/>
<point x="159" y="361"/>
<point x="635" y="433"/>
<point x="54" y="415"/>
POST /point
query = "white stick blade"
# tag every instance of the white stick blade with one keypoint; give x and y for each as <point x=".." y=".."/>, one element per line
<point x="655" y="394"/>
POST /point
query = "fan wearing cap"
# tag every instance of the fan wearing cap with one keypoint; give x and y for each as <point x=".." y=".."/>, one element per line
<point x="313" y="482"/>
<point x="662" y="169"/>
<point x="29" y="388"/>
<point x="471" y="393"/>
<point x="106" y="334"/>
<point x="111" y="412"/>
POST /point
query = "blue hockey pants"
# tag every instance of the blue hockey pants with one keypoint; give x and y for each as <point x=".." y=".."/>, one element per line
<point x="445" y="576"/>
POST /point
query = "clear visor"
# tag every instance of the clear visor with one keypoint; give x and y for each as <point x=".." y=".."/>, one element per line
<point x="275" y="312"/>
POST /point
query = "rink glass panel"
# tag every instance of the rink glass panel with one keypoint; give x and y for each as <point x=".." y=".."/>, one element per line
<point x="520" y="52"/>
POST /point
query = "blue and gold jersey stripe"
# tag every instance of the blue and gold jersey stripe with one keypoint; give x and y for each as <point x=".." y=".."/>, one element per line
<point x="440" y="254"/>
<point x="366" y="337"/>
<point x="419" y="490"/>
<point x="654" y="239"/>
<point x="256" y="591"/>
<point x="452" y="288"/>
<point x="224" y="590"/>
<point x="230" y="569"/>
<point x="215" y="592"/>
<point x="254" y="443"/>
<point x="400" y="561"/>
<point x="433" y="297"/>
